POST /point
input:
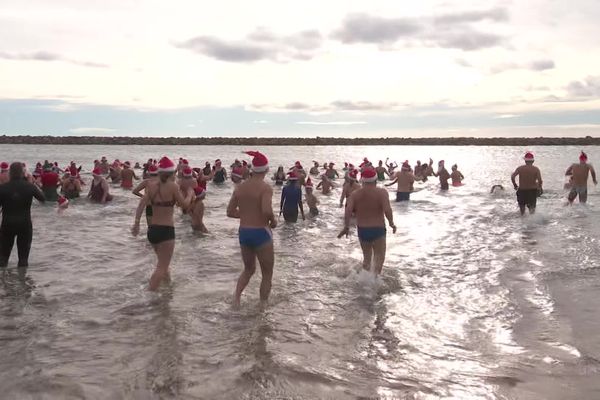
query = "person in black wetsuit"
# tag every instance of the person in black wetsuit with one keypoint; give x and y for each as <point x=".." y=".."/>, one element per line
<point x="291" y="199"/>
<point x="15" y="200"/>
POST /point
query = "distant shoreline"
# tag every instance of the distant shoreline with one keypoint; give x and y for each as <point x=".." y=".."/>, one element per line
<point x="318" y="141"/>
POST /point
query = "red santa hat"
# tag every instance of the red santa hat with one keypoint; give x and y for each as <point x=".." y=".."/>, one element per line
<point x="166" y="165"/>
<point x="368" y="175"/>
<point x="187" y="172"/>
<point x="353" y="174"/>
<point x="260" y="163"/>
<point x="529" y="156"/>
<point x="583" y="157"/>
<point x="199" y="191"/>
<point x="405" y="166"/>
<point x="97" y="172"/>
<point x="63" y="202"/>
<point x="153" y="169"/>
<point x="185" y="162"/>
<point x="308" y="184"/>
<point x="4" y="166"/>
<point x="292" y="176"/>
<point x="237" y="172"/>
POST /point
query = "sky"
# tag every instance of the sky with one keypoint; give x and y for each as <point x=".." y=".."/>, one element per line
<point x="312" y="68"/>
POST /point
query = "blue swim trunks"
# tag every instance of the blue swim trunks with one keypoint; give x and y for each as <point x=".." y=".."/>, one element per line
<point x="370" y="234"/>
<point x="254" y="237"/>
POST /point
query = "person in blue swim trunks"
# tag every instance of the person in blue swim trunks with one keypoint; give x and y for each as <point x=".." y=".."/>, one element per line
<point x="251" y="203"/>
<point x="371" y="206"/>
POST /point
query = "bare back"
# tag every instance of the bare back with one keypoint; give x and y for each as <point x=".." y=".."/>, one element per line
<point x="529" y="177"/>
<point x="254" y="199"/>
<point x="580" y="173"/>
<point x="405" y="181"/>
<point x="369" y="204"/>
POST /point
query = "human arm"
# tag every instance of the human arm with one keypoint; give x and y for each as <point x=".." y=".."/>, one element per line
<point x="593" y="173"/>
<point x="135" y="229"/>
<point x="232" y="208"/>
<point x="139" y="188"/>
<point x="183" y="202"/>
<point x="386" y="162"/>
<point x="104" y="192"/>
<point x="513" y="179"/>
<point x="266" y="206"/>
<point x="539" y="179"/>
<point x="343" y="196"/>
<point x="347" y="216"/>
<point x="387" y="210"/>
<point x="569" y="170"/>
<point x="392" y="183"/>
<point x="319" y="185"/>
<point x="282" y="201"/>
<point x="37" y="193"/>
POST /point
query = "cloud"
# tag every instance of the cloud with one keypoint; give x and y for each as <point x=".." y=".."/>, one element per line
<point x="506" y="116"/>
<point x="345" y="123"/>
<point x="541" y="65"/>
<point x="259" y="45"/>
<point x="495" y="14"/>
<point x="345" y="105"/>
<point x="260" y="121"/>
<point x="447" y="30"/>
<point x="590" y="87"/>
<point x="364" y="28"/>
<point x="48" y="56"/>
<point x="536" y="65"/>
<point x="89" y="130"/>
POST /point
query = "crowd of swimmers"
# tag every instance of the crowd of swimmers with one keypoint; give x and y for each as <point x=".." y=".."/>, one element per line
<point x="166" y="184"/>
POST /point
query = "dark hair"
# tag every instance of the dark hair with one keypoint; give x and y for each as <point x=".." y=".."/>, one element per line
<point x="16" y="171"/>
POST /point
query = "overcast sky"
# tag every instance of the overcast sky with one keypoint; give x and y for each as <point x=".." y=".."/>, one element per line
<point x="300" y="68"/>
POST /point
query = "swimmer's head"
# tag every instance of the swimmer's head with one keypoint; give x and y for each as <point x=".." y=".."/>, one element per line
<point x="4" y="166"/>
<point x="292" y="177"/>
<point x="368" y="175"/>
<point x="583" y="158"/>
<point x="153" y="170"/>
<point x="405" y="166"/>
<point x="187" y="172"/>
<point x="260" y="163"/>
<point x="200" y="192"/>
<point x="454" y="167"/>
<point x="352" y="176"/>
<point x="16" y="171"/>
<point x="380" y="163"/>
<point x="529" y="158"/>
<point x="166" y="168"/>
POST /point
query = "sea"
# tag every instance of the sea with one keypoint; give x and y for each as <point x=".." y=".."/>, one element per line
<point x="474" y="302"/>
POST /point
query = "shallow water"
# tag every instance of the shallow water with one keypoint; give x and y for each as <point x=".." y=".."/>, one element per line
<point x="474" y="302"/>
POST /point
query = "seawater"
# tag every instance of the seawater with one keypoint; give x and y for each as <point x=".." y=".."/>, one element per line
<point x="474" y="302"/>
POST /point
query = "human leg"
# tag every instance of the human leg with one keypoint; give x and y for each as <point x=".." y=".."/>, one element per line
<point x="379" y="247"/>
<point x="24" y="237"/>
<point x="164" y="253"/>
<point x="266" y="259"/>
<point x="7" y="241"/>
<point x="367" y="249"/>
<point x="249" y="260"/>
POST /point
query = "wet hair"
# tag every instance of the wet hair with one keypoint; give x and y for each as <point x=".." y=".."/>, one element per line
<point x="16" y="172"/>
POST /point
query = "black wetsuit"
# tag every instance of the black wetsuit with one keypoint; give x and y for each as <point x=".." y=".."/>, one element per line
<point x="15" y="200"/>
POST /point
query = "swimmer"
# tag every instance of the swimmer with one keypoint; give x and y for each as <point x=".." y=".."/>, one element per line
<point x="207" y="170"/>
<point x="331" y="172"/>
<point x="426" y="170"/>
<point x="127" y="176"/>
<point x="456" y="176"/>
<point x="237" y="174"/>
<point x="162" y="194"/>
<point x="300" y="173"/>
<point x="325" y="185"/>
<point x="137" y="165"/>
<point x="4" y="172"/>
<point x="114" y="172"/>
<point x="71" y="186"/>
<point x="251" y="202"/>
<point x="443" y="175"/>
<point x="279" y="176"/>
<point x="187" y="182"/>
<point x="350" y="185"/>
<point x="219" y="173"/>
<point x="315" y="169"/>
<point x="99" y="188"/>
<point x="152" y="174"/>
<point x="381" y="172"/>
<point x="16" y="196"/>
<point x="104" y="166"/>
<point x="197" y="210"/>
<point x="50" y="182"/>
<point x="579" y="177"/>
<point x="245" y="170"/>
<point x="405" y="180"/>
<point x="370" y="204"/>
<point x="391" y="167"/>
<point x="291" y="199"/>
<point x="496" y="188"/>
<point x="311" y="200"/>
<point x="530" y="184"/>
